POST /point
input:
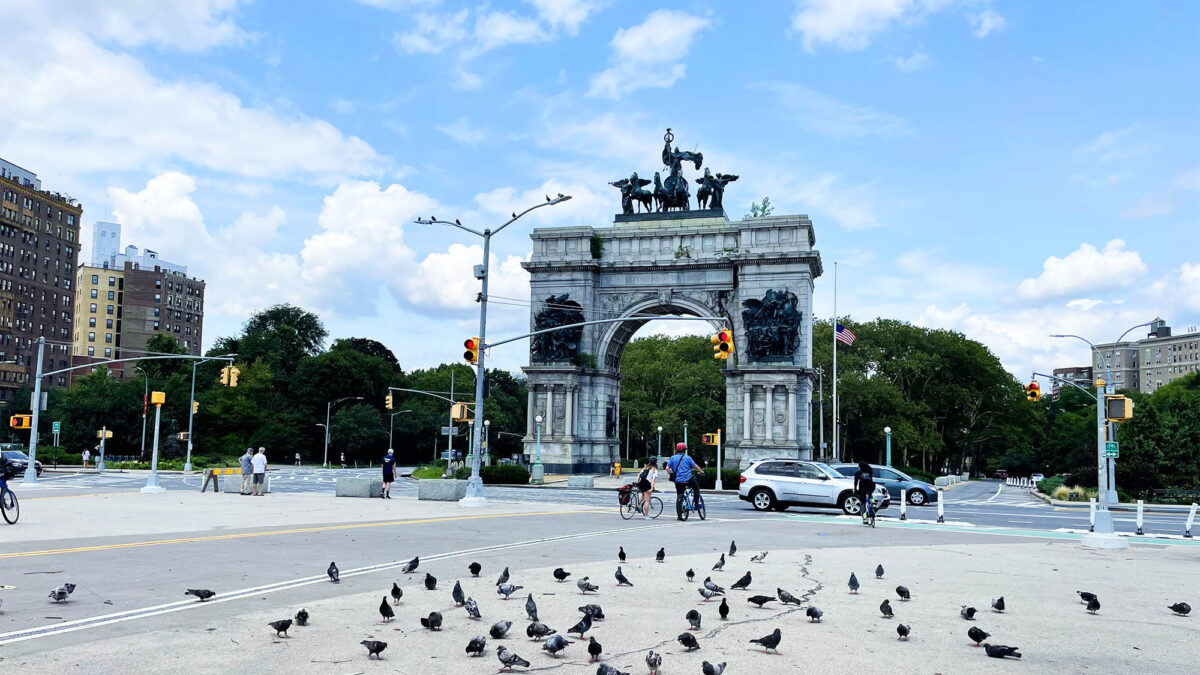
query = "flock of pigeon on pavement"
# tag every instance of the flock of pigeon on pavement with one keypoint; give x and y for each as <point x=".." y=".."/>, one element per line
<point x="554" y="643"/>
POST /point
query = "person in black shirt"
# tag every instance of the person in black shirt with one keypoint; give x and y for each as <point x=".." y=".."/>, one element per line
<point x="864" y="486"/>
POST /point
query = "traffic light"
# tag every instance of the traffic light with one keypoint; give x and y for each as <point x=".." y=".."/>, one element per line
<point x="722" y="344"/>
<point x="460" y="412"/>
<point x="387" y="402"/>
<point x="708" y="439"/>
<point x="21" y="421"/>
<point x="183" y="435"/>
<point x="195" y="407"/>
<point x="1033" y="391"/>
<point x="229" y="376"/>
<point x="1117" y="408"/>
<point x="471" y="353"/>
<point x="225" y="375"/>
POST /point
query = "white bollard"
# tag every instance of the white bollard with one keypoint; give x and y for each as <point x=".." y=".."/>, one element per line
<point x="904" y="505"/>
<point x="1187" y="529"/>
<point x="942" y="507"/>
<point x="1139" y="517"/>
<point x="1092" y="514"/>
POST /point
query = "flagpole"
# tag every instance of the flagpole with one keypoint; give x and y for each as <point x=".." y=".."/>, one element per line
<point x="836" y="455"/>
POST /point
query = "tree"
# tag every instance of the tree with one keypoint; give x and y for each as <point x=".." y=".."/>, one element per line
<point x="358" y="431"/>
<point x="369" y="347"/>
<point x="159" y="369"/>
<point x="760" y="209"/>
<point x="281" y="337"/>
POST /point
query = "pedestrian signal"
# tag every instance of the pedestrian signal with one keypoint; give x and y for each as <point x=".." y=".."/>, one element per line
<point x="21" y="421"/>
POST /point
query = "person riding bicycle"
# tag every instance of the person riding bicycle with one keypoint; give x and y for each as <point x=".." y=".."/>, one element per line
<point x="864" y="486"/>
<point x="682" y="469"/>
<point x="645" y="484"/>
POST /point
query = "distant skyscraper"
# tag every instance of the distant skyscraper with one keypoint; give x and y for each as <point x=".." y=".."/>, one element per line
<point x="106" y="242"/>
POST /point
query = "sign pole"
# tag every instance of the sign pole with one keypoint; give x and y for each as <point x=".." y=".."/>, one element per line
<point x="100" y="462"/>
<point x="718" y="485"/>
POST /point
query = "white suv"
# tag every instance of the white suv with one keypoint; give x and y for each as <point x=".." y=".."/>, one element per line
<point x="779" y="483"/>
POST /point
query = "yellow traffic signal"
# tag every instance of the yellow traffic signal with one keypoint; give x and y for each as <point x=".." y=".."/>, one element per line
<point x="722" y="344"/>
<point x="387" y="402"/>
<point x="195" y="407"/>
<point x="460" y="412"/>
<point x="471" y="347"/>
<point x="225" y="375"/>
<point x="183" y="435"/>
<point x="21" y="421"/>
<point x="234" y="371"/>
<point x="1117" y="408"/>
<point x="708" y="439"/>
<point x="158" y="397"/>
<point x="1033" y="391"/>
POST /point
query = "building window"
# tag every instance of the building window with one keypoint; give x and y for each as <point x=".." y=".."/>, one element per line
<point x="95" y="278"/>
<point x="112" y="295"/>
<point x="93" y="307"/>
<point x="112" y="281"/>
<point x="108" y="338"/>
<point x="95" y="293"/>
<point x="91" y="337"/>
<point x="110" y="309"/>
<point x="158" y="283"/>
<point x="157" y="298"/>
<point x="156" y="328"/>
<point x="91" y="351"/>
<point x="156" y="311"/>
<point x="108" y="351"/>
<point x="109" y="321"/>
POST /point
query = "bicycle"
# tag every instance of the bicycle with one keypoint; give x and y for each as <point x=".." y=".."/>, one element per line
<point x="9" y="507"/>
<point x="629" y="502"/>
<point x="868" y="513"/>
<point x="690" y="501"/>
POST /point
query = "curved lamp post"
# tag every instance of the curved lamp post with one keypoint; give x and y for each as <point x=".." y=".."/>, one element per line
<point x="538" y="475"/>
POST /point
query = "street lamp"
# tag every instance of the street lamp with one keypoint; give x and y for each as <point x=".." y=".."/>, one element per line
<point x="391" y="423"/>
<point x="328" y="408"/>
<point x="888" y="432"/>
<point x="487" y="427"/>
<point x="659" y="456"/>
<point x="145" y="403"/>
<point x="538" y="475"/>
<point x="475" y="483"/>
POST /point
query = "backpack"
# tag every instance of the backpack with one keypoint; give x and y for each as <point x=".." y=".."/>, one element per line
<point x="642" y="480"/>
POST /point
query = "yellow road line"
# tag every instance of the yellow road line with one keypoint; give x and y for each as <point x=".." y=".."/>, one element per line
<point x="301" y="530"/>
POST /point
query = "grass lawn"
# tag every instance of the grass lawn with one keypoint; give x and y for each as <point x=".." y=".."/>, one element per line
<point x="429" y="471"/>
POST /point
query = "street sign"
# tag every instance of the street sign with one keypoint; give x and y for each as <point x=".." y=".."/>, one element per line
<point x="1111" y="451"/>
<point x="453" y="431"/>
<point x="57" y="427"/>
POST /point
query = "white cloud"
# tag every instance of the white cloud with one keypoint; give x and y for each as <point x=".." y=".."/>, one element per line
<point x="826" y="115"/>
<point x="1189" y="285"/>
<point x="1085" y="269"/>
<point x="1181" y="290"/>
<point x="252" y="229"/>
<point x="848" y="206"/>
<point x="852" y="24"/>
<point x="432" y="33"/>
<point x="986" y="22"/>
<point x="567" y="14"/>
<point x="1117" y="146"/>
<point x="447" y="279"/>
<point x="1151" y="205"/>
<point x="496" y="29"/>
<point x="183" y="25"/>
<point x="649" y="55"/>
<point x="909" y="64"/>
<point x="342" y="106"/>
<point x="463" y="131"/>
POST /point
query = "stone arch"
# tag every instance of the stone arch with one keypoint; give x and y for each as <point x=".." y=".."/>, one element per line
<point x="614" y="338"/>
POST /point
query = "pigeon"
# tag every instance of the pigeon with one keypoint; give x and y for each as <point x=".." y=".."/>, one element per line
<point x="653" y="661"/>
<point x="302" y="617"/>
<point x="374" y="648"/>
<point x="70" y="588"/>
<point x="556" y="644"/>
<point x="472" y="608"/>
<point x="853" y="583"/>
<point x="708" y="583"/>
<point x="584" y="625"/>
<point x="594" y="649"/>
<point x="335" y="575"/>
<point x="1180" y="608"/>
<point x="531" y="608"/>
<point x="385" y="610"/>
<point x="879" y="571"/>
<point x="688" y="641"/>
<point x="397" y="593"/>
<point x="621" y="554"/>
<point x="1001" y="651"/>
<point x="732" y="548"/>
<point x="723" y="610"/>
<point x="560" y="574"/>
<point x="1093" y="605"/>
<point x="693" y="618"/>
<point x="593" y="611"/>
<point x="709" y="669"/>
<point x="410" y="566"/>
<point x="902" y="630"/>
<point x="977" y="634"/>
<point x="661" y="555"/>
<point x="1084" y="597"/>
<point x="998" y="604"/>
<point x="691" y="575"/>
<point x="707" y="594"/>
<point x="430" y="582"/>
<point x="60" y="594"/>
<point x="499" y="629"/>
<point x="786" y="598"/>
<point x="967" y="613"/>
<point x="281" y="627"/>
<point x="743" y="583"/>
<point x="720" y="564"/>
<point x="585" y="586"/>
<point x="202" y="593"/>
<point x="457" y="594"/>
<point x="620" y="576"/>
<point x="759" y="558"/>
<point x="770" y="642"/>
<point x="538" y="630"/>
<point x="903" y="593"/>
<point x="503" y="578"/>
<point x="433" y="621"/>
<point x="509" y="659"/>
<point x="476" y="646"/>
<point x="886" y="609"/>
<point x="475" y="568"/>
<point x="814" y="614"/>
<point x="605" y="669"/>
<point x="507" y="589"/>
<point x="760" y="600"/>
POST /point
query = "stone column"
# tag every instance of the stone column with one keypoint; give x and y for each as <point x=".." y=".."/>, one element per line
<point x="569" y="418"/>
<point x="529" y="426"/>
<point x="549" y="411"/>
<point x="791" y="415"/>
<point x="746" y="413"/>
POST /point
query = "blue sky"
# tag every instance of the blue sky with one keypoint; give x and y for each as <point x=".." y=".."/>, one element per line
<point x="1004" y="169"/>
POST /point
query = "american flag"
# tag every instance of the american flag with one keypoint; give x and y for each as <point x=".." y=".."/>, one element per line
<point x="844" y="335"/>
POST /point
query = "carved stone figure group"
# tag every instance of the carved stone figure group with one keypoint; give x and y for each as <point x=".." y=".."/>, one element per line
<point x="559" y="345"/>
<point x="772" y="326"/>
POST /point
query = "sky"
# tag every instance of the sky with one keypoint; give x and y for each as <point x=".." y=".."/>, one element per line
<point x="1005" y="169"/>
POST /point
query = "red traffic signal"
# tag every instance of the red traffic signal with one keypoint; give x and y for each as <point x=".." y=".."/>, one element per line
<point x="722" y="344"/>
<point x="471" y="350"/>
<point x="1033" y="391"/>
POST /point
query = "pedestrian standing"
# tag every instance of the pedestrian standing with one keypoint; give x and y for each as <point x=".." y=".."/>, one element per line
<point x="389" y="474"/>
<point x="343" y="460"/>
<point x="297" y="459"/>
<point x="246" y="461"/>
<point x="86" y="456"/>
<point x="260" y="470"/>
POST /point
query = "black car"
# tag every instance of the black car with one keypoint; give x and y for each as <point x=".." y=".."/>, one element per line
<point x="18" y="462"/>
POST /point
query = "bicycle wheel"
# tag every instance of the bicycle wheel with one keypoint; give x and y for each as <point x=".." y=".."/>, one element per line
<point x="9" y="506"/>
<point x="656" y="507"/>
<point x="629" y="508"/>
<point x="700" y="511"/>
<point x="682" y="510"/>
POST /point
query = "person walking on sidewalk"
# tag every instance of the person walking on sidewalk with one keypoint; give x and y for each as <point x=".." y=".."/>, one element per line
<point x="343" y="460"/>
<point x="247" y="468"/>
<point x="86" y="456"/>
<point x="389" y="474"/>
<point x="260" y="471"/>
<point x="297" y="459"/>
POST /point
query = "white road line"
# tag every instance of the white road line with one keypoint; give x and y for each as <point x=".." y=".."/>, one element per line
<point x="998" y="490"/>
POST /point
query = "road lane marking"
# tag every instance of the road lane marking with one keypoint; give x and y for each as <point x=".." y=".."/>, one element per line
<point x="300" y="530"/>
<point x="998" y="491"/>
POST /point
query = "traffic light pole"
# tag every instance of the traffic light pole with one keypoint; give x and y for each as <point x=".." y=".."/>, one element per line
<point x="31" y="469"/>
<point x="187" y="464"/>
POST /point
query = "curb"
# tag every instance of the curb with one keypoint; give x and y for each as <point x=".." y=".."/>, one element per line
<point x="1146" y="508"/>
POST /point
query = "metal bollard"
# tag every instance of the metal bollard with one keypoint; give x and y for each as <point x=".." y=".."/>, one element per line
<point x="1139" y="517"/>
<point x="1187" y="529"/>
<point x="942" y="507"/>
<point x="904" y="505"/>
<point x="1092" y="514"/>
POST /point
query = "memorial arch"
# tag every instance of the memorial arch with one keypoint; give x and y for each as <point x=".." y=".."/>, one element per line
<point x="756" y="273"/>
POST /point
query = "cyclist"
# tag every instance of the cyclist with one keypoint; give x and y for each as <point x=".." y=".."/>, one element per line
<point x="864" y="487"/>
<point x="682" y="469"/>
<point x="645" y="484"/>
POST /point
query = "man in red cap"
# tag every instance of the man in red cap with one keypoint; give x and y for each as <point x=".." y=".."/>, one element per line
<point x="683" y="469"/>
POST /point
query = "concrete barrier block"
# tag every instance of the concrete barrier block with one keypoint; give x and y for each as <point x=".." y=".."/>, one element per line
<point x="441" y="490"/>
<point x="358" y="487"/>
<point x="581" y="481"/>
<point x="233" y="483"/>
<point x="941" y="481"/>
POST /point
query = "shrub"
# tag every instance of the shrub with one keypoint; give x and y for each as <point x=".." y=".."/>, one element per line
<point x="919" y="474"/>
<point x="729" y="479"/>
<point x="1049" y="484"/>
<point x="500" y="474"/>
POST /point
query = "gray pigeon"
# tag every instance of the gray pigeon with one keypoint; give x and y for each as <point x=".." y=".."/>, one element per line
<point x="374" y="648"/>
<point x="1001" y="651"/>
<point x="743" y="583"/>
<point x="499" y="629"/>
<point x="509" y="659"/>
<point x="531" y="608"/>
<point x="786" y="598"/>
<point x="586" y="586"/>
<point x="770" y="642"/>
<point x="977" y="635"/>
<point x="853" y="583"/>
<point x="1093" y="605"/>
<point x="732" y="548"/>
<point x="605" y="669"/>
<point x="661" y="555"/>
<point x="302" y="617"/>
<point x="902" y="591"/>
<point x="758" y="558"/>
<point x="584" y="625"/>
<point x="720" y="564"/>
<point x="708" y="583"/>
<point x="594" y="650"/>
<point x="707" y="594"/>
<point x="472" y="608"/>
<point x="202" y="593"/>
<point x="998" y="604"/>
<point x="709" y="669"/>
<point x="538" y="630"/>
<point x="886" y="609"/>
<point x="620" y="576"/>
<point x="433" y="621"/>
<point x="457" y="594"/>
<point x="693" y="618"/>
<point x="476" y="646"/>
<point x="689" y="641"/>
<point x="653" y="661"/>
<point x="555" y="644"/>
<point x="503" y="578"/>
<point x="430" y="582"/>
<point x="621" y="553"/>
<point x="902" y="631"/>
<point x="507" y="589"/>
<point x="475" y="568"/>
<point x="691" y="575"/>
<point x="967" y="613"/>
<point x="385" y="610"/>
<point x="60" y="594"/>
<point x="335" y="575"/>
<point x="410" y="566"/>
<point x="814" y="614"/>
<point x="1180" y="608"/>
<point x="397" y="593"/>
<point x="723" y="609"/>
<point x="879" y="571"/>
<point x="281" y="627"/>
<point x="593" y="611"/>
